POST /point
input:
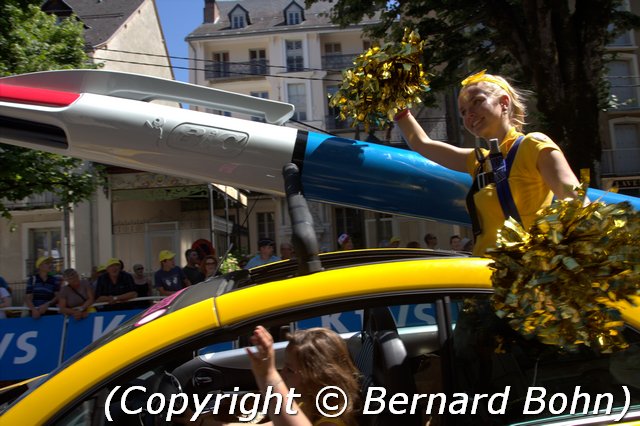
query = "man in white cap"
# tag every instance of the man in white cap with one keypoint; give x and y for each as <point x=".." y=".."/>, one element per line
<point x="169" y="278"/>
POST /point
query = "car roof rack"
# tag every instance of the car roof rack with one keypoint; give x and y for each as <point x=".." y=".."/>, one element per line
<point x="146" y="88"/>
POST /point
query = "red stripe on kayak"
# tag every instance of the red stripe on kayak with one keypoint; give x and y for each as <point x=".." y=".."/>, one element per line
<point x="32" y="95"/>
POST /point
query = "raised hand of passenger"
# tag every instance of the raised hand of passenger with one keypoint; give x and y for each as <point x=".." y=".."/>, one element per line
<point x="263" y="360"/>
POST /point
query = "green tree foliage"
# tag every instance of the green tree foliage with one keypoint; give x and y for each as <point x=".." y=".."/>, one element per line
<point x="31" y="41"/>
<point x="554" y="47"/>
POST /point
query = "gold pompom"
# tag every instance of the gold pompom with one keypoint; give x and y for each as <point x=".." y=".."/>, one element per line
<point x="383" y="81"/>
<point x="562" y="280"/>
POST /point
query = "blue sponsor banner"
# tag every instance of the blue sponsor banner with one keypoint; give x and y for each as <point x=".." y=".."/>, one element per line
<point x="81" y="333"/>
<point x="29" y="347"/>
<point x="404" y="315"/>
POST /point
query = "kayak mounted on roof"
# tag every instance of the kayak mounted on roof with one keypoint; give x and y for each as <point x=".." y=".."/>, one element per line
<point x="107" y="117"/>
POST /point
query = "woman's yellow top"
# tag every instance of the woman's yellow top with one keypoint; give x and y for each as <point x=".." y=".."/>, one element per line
<point x="530" y="192"/>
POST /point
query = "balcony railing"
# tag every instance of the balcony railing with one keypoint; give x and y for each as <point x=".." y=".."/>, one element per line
<point x="621" y="161"/>
<point x="223" y="70"/>
<point x="337" y="62"/>
<point x="36" y="201"/>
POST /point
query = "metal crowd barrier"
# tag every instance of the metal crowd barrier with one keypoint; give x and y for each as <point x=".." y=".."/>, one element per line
<point x="25" y="310"/>
<point x="6" y="323"/>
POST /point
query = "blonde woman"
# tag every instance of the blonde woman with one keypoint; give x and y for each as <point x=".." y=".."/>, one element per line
<point x="491" y="108"/>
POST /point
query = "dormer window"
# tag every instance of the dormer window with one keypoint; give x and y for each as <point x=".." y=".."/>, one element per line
<point x="293" y="14"/>
<point x="293" y="17"/>
<point x="239" y="17"/>
<point x="238" y="21"/>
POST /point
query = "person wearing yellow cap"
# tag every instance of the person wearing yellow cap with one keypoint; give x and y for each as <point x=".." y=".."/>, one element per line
<point x="115" y="287"/>
<point x="169" y="278"/>
<point x="42" y="289"/>
<point x="493" y="110"/>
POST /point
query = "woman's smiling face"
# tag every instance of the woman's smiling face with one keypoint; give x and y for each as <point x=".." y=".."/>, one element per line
<point x="483" y="113"/>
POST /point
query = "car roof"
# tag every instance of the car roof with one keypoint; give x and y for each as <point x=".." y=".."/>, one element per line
<point x="353" y="273"/>
<point x="347" y="258"/>
<point x="287" y="269"/>
<point x="450" y="274"/>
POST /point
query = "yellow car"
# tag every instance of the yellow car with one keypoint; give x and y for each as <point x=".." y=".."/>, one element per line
<point x="427" y="331"/>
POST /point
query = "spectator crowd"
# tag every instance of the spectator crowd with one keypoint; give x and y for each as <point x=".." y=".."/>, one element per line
<point x="111" y="287"/>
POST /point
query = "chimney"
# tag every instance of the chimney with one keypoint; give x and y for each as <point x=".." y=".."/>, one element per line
<point x="211" y="11"/>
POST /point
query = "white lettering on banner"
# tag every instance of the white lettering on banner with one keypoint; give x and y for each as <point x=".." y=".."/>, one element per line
<point x="403" y="314"/>
<point x="333" y="322"/>
<point x="98" y="322"/>
<point x="29" y="349"/>
<point x="4" y="343"/>
<point x="408" y="315"/>
<point x="22" y="343"/>
<point x="422" y="315"/>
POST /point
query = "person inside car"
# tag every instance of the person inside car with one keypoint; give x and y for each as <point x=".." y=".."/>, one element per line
<point x="314" y="359"/>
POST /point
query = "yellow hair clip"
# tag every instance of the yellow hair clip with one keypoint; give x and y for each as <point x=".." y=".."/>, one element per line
<point x="481" y="76"/>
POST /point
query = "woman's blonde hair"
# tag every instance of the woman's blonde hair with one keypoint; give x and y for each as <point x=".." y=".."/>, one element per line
<point x="497" y="85"/>
<point x="323" y="359"/>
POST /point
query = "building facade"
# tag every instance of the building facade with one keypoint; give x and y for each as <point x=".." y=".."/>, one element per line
<point x="620" y="124"/>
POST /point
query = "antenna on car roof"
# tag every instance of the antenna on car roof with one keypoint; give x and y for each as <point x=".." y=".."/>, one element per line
<point x="304" y="238"/>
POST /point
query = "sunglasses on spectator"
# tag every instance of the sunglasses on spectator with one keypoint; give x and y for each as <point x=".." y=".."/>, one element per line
<point x="210" y="263"/>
